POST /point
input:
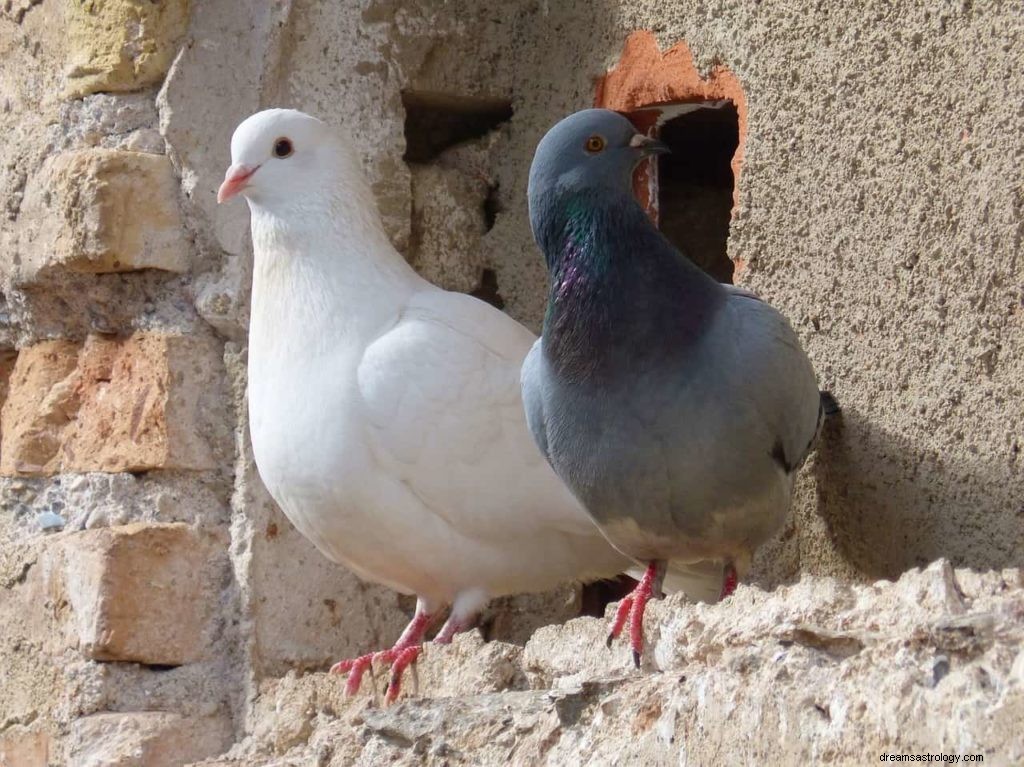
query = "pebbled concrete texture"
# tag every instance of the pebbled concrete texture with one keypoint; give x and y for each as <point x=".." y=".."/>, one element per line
<point x="879" y="205"/>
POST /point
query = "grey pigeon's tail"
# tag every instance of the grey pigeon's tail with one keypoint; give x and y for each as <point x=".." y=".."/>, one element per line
<point x="829" y="404"/>
<point x="828" y="407"/>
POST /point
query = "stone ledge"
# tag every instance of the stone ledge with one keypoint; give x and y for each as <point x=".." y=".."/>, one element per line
<point x="823" y="670"/>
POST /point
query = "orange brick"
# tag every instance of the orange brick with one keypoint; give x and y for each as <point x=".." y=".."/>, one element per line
<point x="130" y="404"/>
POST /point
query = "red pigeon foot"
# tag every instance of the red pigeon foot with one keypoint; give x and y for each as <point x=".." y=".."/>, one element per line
<point x="404" y="652"/>
<point x="633" y="606"/>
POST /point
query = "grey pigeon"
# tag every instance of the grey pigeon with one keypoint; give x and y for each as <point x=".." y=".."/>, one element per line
<point x="676" y="408"/>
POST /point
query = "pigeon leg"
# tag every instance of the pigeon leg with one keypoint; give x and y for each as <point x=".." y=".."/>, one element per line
<point x="633" y="607"/>
<point x="410" y="640"/>
<point x="620" y="618"/>
<point x="729" y="580"/>
<point x="464" y="610"/>
<point x="401" y="662"/>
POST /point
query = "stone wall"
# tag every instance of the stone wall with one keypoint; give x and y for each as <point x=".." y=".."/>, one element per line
<point x="157" y="608"/>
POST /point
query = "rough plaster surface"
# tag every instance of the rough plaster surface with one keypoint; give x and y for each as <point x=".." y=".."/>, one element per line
<point x="879" y="205"/>
<point x="818" y="672"/>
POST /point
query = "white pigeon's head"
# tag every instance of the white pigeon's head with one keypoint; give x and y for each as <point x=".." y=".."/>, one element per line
<point x="283" y="157"/>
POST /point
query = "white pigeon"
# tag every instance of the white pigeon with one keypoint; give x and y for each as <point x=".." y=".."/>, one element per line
<point x="385" y="413"/>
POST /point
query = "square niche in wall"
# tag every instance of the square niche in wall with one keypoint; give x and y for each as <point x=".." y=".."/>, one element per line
<point x="690" y="192"/>
<point x="702" y="115"/>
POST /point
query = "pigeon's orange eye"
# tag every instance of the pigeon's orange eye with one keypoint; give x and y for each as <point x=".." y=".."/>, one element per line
<point x="283" y="148"/>
<point x="594" y="144"/>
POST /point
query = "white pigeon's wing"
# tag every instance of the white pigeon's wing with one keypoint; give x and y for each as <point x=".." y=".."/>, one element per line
<point x="442" y="391"/>
<point x="700" y="581"/>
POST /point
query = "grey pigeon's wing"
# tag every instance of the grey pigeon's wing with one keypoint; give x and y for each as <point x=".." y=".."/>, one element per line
<point x="533" y="400"/>
<point x="782" y="382"/>
<point x="741" y="292"/>
<point x="827" y="404"/>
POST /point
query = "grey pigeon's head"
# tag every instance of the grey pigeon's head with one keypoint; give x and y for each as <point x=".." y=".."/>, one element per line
<point x="283" y="158"/>
<point x="589" y="150"/>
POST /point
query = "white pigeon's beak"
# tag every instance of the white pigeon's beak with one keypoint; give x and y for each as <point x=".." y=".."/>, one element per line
<point x="235" y="180"/>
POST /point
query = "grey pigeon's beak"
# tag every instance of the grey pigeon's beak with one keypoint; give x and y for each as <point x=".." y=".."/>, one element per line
<point x="648" y="146"/>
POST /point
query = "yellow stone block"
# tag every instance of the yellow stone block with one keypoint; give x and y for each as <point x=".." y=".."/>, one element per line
<point x="121" y="45"/>
<point x="105" y="210"/>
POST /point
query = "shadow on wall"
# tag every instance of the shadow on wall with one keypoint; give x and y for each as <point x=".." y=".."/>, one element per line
<point x="890" y="506"/>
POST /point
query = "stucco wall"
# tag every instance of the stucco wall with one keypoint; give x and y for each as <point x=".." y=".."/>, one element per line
<point x="879" y="204"/>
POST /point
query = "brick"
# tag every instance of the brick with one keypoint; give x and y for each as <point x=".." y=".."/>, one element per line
<point x="7" y="358"/>
<point x="121" y="45"/>
<point x="645" y="78"/>
<point x="38" y="408"/>
<point x="141" y="592"/>
<point x="142" y="402"/>
<point x="22" y="747"/>
<point x="104" y="210"/>
<point x="146" y="739"/>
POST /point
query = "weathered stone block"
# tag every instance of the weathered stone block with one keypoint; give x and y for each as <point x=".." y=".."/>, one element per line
<point x="447" y="226"/>
<point x="23" y="747"/>
<point x="37" y="409"/>
<point x="138" y="592"/>
<point x="143" y="402"/>
<point x="121" y="45"/>
<point x="104" y="210"/>
<point x="7" y="358"/>
<point x="146" y="739"/>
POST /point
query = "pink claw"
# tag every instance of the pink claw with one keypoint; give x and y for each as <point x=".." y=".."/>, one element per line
<point x="633" y="606"/>
<point x="620" y="618"/>
<point x="405" y="651"/>
<point x="398" y="666"/>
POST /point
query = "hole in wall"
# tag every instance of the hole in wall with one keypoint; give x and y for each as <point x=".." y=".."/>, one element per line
<point x="596" y="596"/>
<point x="695" y="183"/>
<point x="436" y="121"/>
<point x="704" y="114"/>
<point x="159" y="668"/>
<point x="487" y="290"/>
<point x="492" y="206"/>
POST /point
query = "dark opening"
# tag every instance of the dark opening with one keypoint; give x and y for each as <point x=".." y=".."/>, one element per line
<point x="598" y="595"/>
<point x="487" y="290"/>
<point x="695" y="185"/>
<point x="436" y="121"/>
